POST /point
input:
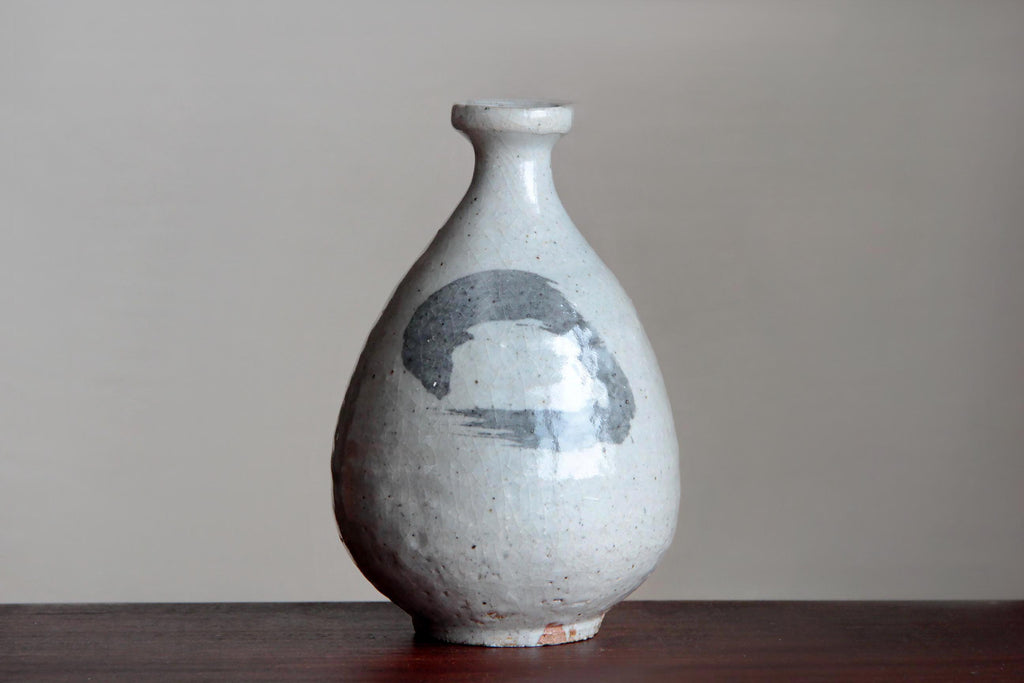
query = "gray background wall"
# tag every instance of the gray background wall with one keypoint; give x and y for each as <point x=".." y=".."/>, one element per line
<point x="817" y="207"/>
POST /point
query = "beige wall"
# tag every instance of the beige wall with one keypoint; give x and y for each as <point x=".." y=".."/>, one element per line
<point x="817" y="207"/>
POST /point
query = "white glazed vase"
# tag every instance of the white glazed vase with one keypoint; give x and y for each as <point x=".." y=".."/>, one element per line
<point x="505" y="465"/>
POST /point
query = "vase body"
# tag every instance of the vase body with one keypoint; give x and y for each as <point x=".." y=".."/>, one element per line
<point x="505" y="464"/>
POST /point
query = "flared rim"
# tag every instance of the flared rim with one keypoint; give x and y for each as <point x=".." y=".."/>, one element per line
<point x="537" y="116"/>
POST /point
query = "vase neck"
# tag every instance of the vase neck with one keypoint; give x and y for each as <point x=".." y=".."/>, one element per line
<point x="512" y="142"/>
<point x="517" y="168"/>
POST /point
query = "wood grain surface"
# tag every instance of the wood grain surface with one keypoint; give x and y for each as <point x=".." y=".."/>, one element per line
<point x="672" y="641"/>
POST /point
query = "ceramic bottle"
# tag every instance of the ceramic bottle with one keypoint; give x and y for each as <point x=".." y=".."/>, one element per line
<point x="505" y="463"/>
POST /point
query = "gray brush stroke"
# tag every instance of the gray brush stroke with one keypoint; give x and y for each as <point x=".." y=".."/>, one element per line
<point x="442" y="322"/>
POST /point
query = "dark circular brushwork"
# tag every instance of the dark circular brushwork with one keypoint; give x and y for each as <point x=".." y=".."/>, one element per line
<point x="442" y="322"/>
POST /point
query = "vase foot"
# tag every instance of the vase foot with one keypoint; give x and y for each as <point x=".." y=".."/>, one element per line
<point x="491" y="636"/>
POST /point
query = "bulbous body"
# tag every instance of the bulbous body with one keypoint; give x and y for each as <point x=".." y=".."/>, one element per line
<point x="505" y="464"/>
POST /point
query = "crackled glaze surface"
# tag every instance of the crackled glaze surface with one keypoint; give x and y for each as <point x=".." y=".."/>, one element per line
<point x="505" y="464"/>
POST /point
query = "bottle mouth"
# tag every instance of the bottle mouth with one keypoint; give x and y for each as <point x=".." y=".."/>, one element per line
<point x="539" y="117"/>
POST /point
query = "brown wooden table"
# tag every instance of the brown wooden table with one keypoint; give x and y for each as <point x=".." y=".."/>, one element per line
<point x="677" y="641"/>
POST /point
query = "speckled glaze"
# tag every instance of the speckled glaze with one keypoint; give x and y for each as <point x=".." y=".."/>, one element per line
<point x="505" y="464"/>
